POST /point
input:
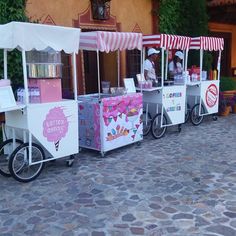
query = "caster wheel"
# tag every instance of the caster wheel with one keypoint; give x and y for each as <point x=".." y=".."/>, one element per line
<point x="70" y="161"/>
<point x="179" y="128"/>
<point x="214" y="118"/>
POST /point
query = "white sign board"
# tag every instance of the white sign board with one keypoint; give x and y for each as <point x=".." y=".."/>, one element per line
<point x="129" y="85"/>
<point x="210" y="95"/>
<point x="174" y="103"/>
<point x="6" y="97"/>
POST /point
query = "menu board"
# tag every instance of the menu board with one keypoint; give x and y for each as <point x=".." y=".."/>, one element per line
<point x="6" y="97"/>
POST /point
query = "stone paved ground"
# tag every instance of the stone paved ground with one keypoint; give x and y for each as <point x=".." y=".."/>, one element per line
<point x="181" y="185"/>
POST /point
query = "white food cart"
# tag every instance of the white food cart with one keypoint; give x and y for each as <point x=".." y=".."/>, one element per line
<point x="165" y="104"/>
<point x="37" y="132"/>
<point x="109" y="121"/>
<point x="203" y="93"/>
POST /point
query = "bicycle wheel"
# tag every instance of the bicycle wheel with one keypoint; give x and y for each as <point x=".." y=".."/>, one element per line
<point x="6" y="149"/>
<point x="157" y="130"/>
<point x="147" y="123"/>
<point x="19" y="163"/>
<point x="195" y="118"/>
<point x="187" y="113"/>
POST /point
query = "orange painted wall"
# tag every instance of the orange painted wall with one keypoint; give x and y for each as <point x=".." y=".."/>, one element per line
<point x="228" y="29"/>
<point x="127" y="12"/>
<point x="132" y="15"/>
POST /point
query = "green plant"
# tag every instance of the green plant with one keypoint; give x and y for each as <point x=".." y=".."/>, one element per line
<point x="12" y="11"/>
<point x="227" y="83"/>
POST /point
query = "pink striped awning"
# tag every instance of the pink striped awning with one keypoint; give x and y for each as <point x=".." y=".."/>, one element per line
<point x="105" y="41"/>
<point x="167" y="41"/>
<point x="207" y="43"/>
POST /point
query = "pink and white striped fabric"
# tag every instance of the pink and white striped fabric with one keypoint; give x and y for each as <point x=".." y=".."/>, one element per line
<point x="207" y="43"/>
<point x="167" y="41"/>
<point x="105" y="41"/>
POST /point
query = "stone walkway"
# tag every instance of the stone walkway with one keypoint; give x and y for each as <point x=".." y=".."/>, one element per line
<point x="181" y="185"/>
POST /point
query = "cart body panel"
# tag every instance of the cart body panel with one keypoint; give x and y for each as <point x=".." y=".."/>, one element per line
<point x="109" y="123"/>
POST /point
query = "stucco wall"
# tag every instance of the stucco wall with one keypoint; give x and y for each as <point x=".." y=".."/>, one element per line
<point x="228" y="29"/>
<point x="127" y="12"/>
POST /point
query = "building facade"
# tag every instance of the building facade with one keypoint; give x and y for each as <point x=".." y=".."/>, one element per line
<point x="123" y="16"/>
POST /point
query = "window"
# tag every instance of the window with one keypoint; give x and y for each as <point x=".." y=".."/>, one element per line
<point x="100" y="9"/>
<point x="133" y="60"/>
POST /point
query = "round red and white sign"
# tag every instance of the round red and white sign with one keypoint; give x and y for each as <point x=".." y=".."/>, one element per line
<point x="211" y="95"/>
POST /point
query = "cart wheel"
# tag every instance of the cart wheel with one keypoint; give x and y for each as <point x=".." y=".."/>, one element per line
<point x="19" y="162"/>
<point x="102" y="154"/>
<point x="147" y="123"/>
<point x="179" y="128"/>
<point x="194" y="115"/>
<point x="156" y="129"/>
<point x="6" y="149"/>
<point x="215" y="118"/>
<point x="70" y="161"/>
<point x="187" y="113"/>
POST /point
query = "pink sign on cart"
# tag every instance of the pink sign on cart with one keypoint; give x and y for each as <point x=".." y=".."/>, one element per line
<point x="55" y="126"/>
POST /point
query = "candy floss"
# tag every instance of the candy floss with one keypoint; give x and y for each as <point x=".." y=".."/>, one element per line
<point x="55" y="126"/>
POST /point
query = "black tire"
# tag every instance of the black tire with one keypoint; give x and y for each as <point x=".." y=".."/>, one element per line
<point x="19" y="163"/>
<point x="214" y="118"/>
<point x="6" y="149"/>
<point x="179" y="128"/>
<point x="157" y="131"/>
<point x="147" y="123"/>
<point x="187" y="113"/>
<point x="194" y="115"/>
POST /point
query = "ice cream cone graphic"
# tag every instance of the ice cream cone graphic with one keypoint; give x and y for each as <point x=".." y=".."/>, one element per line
<point x="57" y="145"/>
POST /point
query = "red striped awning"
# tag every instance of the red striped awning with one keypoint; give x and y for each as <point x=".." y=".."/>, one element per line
<point x="167" y="41"/>
<point x="207" y="43"/>
<point x="105" y="41"/>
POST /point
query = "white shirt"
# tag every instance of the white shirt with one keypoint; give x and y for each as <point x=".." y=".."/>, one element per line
<point x="150" y="67"/>
<point x="176" y="70"/>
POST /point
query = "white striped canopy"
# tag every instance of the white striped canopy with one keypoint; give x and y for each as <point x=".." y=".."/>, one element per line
<point x="207" y="43"/>
<point x="29" y="36"/>
<point x="167" y="41"/>
<point x="105" y="41"/>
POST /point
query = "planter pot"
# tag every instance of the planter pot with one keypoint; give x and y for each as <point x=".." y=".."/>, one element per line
<point x="234" y="108"/>
<point x="226" y="111"/>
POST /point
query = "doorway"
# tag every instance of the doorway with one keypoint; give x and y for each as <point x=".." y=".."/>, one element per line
<point x="107" y="66"/>
<point x="226" y="53"/>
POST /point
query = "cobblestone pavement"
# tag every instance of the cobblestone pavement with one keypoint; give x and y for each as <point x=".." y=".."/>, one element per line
<point x="183" y="184"/>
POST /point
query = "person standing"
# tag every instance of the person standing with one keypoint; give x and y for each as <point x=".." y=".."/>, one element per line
<point x="149" y="64"/>
<point x="175" y="66"/>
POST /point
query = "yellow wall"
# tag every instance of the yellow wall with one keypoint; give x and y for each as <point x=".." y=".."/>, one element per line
<point x="130" y="14"/>
<point x="127" y="12"/>
<point x="227" y="29"/>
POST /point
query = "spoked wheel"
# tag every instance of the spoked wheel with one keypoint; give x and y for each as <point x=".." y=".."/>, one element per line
<point x="195" y="118"/>
<point x="6" y="149"/>
<point x="187" y="113"/>
<point x="147" y="123"/>
<point x="157" y="130"/>
<point x="19" y="163"/>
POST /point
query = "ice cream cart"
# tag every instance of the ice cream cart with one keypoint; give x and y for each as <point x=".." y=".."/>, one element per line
<point x="165" y="104"/>
<point x="41" y="126"/>
<point x="203" y="90"/>
<point x="109" y="120"/>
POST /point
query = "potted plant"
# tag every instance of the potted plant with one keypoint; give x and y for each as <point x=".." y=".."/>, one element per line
<point x="225" y="104"/>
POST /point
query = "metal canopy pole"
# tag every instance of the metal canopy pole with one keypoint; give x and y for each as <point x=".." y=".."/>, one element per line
<point x="98" y="69"/>
<point x="25" y="77"/>
<point x="5" y="63"/>
<point x="118" y="69"/>
<point x="74" y="75"/>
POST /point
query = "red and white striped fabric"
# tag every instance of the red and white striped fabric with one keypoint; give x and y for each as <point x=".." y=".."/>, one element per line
<point x="167" y="41"/>
<point x="207" y="43"/>
<point x="105" y="41"/>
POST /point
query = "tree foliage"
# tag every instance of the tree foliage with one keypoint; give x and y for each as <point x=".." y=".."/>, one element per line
<point x="185" y="17"/>
<point x="13" y="11"/>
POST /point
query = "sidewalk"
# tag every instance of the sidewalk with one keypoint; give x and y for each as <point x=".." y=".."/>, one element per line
<point x="181" y="185"/>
